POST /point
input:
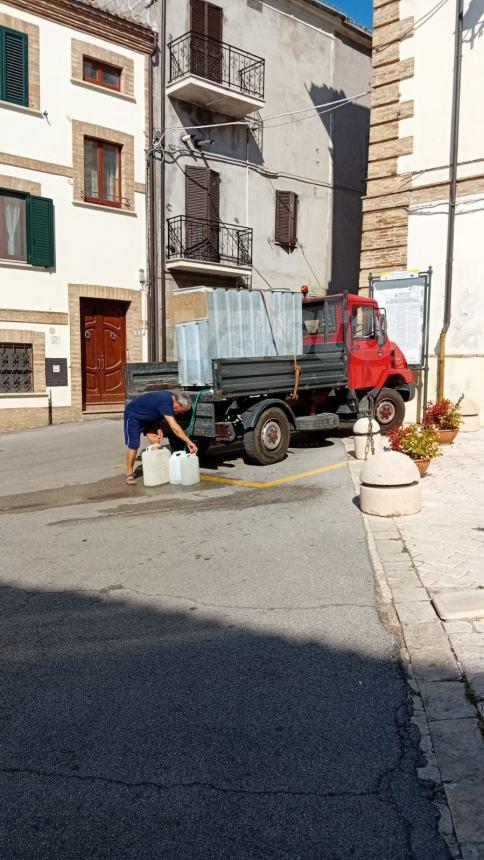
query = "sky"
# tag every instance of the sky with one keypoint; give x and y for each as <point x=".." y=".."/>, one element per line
<point x="359" y="10"/>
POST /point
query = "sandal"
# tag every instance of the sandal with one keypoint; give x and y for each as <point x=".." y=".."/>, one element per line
<point x="131" y="480"/>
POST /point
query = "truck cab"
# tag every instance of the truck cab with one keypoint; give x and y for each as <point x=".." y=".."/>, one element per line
<point x="375" y="365"/>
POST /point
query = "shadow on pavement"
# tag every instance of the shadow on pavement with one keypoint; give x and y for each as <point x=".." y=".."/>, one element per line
<point x="128" y="732"/>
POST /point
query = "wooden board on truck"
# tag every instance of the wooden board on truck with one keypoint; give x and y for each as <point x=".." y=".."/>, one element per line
<point x="189" y="305"/>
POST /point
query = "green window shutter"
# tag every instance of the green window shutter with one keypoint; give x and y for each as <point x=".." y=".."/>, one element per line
<point x="40" y="231"/>
<point x="14" y="66"/>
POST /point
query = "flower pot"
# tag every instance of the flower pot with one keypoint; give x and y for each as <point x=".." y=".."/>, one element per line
<point x="422" y="466"/>
<point x="446" y="437"/>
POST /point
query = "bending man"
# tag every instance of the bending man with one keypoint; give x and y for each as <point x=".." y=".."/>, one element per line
<point x="143" y="415"/>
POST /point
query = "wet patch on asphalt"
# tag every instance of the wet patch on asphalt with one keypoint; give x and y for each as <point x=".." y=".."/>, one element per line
<point x="237" y="501"/>
<point x="104" y="490"/>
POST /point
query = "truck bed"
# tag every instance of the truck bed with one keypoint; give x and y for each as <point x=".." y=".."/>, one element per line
<point x="247" y="377"/>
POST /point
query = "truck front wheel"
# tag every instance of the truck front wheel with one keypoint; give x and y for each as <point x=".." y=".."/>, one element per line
<point x="389" y="409"/>
<point x="268" y="441"/>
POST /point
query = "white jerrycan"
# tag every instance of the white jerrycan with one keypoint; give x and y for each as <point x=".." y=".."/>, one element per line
<point x="175" y="467"/>
<point x="155" y="462"/>
<point x="190" y="470"/>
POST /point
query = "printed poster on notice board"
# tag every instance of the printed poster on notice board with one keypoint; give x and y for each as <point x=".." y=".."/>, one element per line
<point x="403" y="299"/>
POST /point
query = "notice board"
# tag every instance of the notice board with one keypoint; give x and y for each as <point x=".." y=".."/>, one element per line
<point x="404" y="300"/>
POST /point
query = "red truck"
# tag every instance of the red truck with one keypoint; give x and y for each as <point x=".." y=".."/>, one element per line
<point x="347" y="361"/>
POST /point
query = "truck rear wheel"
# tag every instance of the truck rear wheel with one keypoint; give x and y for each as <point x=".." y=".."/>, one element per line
<point x="389" y="409"/>
<point x="268" y="441"/>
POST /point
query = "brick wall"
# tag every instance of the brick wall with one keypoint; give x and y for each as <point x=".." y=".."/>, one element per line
<point x="133" y="323"/>
<point x="84" y="49"/>
<point x="385" y="214"/>
<point x="37" y="340"/>
<point x="80" y="130"/>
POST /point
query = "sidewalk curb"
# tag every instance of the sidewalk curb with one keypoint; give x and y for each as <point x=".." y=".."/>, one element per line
<point x="428" y="664"/>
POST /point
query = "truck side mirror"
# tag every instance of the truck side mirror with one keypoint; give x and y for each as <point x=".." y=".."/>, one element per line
<point x="381" y="330"/>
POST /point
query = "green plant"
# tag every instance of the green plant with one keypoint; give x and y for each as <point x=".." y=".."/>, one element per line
<point x="444" y="415"/>
<point x="418" y="441"/>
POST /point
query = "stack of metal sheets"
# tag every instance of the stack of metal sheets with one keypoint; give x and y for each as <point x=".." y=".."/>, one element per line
<point x="239" y="324"/>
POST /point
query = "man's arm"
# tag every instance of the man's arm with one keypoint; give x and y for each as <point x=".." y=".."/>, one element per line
<point x="177" y="430"/>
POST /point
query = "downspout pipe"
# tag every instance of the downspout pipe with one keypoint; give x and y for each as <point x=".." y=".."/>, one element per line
<point x="454" y="154"/>
<point x="162" y="185"/>
<point x="152" y="255"/>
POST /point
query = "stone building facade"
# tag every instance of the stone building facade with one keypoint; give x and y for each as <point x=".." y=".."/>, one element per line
<point x="407" y="205"/>
<point x="240" y="62"/>
<point x="74" y="119"/>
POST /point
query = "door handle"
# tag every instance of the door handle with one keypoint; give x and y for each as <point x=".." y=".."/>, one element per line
<point x="102" y="362"/>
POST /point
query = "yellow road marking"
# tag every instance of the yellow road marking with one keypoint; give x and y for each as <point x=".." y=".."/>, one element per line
<point x="267" y="484"/>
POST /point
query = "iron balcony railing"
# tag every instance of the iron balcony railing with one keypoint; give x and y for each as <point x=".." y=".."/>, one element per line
<point x="194" y="54"/>
<point x="209" y="241"/>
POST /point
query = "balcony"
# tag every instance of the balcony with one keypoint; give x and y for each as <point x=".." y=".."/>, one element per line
<point x="210" y="247"/>
<point x="217" y="76"/>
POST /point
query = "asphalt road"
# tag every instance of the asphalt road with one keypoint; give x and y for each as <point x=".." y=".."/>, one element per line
<point x="196" y="673"/>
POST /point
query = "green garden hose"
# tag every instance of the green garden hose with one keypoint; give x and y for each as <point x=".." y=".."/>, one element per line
<point x="194" y="412"/>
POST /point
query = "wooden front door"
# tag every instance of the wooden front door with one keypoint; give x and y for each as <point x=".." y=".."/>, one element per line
<point x="103" y="335"/>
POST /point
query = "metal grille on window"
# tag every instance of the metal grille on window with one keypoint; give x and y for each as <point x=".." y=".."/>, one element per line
<point x="16" y="368"/>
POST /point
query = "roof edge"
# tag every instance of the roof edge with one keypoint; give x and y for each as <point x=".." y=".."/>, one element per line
<point x="363" y="35"/>
<point x="84" y="16"/>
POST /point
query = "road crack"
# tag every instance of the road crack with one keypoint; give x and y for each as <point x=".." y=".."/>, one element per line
<point x="201" y="784"/>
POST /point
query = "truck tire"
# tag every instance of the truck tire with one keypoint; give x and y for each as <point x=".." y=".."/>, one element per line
<point x="268" y="441"/>
<point x="389" y="409"/>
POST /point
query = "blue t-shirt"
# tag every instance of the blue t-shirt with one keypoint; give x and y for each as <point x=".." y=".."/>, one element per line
<point x="149" y="408"/>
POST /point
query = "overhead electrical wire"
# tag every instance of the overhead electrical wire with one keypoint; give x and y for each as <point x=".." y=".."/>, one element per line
<point x="326" y="107"/>
<point x="415" y="26"/>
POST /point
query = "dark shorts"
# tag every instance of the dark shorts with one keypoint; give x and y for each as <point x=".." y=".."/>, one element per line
<point x="132" y="431"/>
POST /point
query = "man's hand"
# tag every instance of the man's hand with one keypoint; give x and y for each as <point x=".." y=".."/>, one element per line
<point x="155" y="437"/>
<point x="192" y="447"/>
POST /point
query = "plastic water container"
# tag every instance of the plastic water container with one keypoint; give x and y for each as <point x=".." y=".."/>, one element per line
<point x="155" y="462"/>
<point x="190" y="470"/>
<point x="175" y="467"/>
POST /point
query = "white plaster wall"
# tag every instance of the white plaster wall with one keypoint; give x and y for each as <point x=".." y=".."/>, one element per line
<point x="93" y="246"/>
<point x="432" y="46"/>
<point x="35" y="137"/>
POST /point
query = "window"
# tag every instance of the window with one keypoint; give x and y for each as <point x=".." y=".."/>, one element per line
<point x="101" y="74"/>
<point x="363" y="323"/>
<point x="13" y="231"/>
<point x="27" y="229"/>
<point x="102" y="172"/>
<point x="14" y="74"/>
<point x="16" y="368"/>
<point x="286" y="219"/>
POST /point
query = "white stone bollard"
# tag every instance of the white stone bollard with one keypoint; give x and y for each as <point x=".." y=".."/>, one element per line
<point x="470" y="416"/>
<point x="390" y="486"/>
<point x="360" y="433"/>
